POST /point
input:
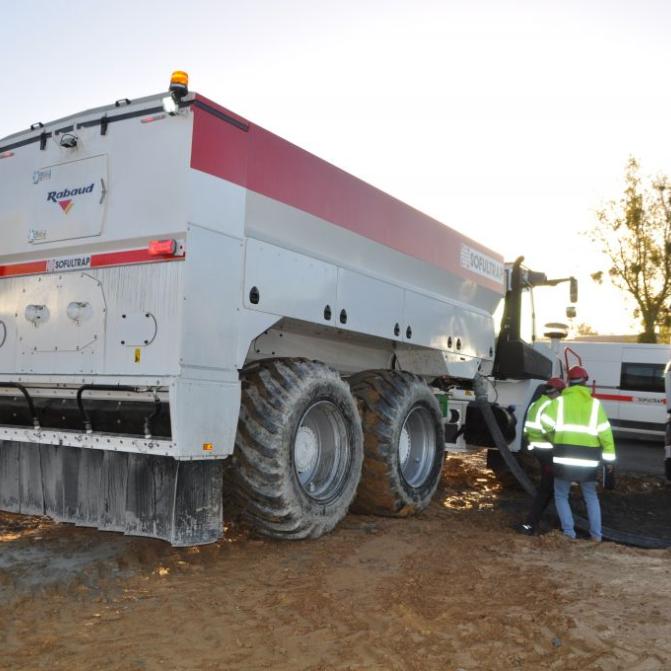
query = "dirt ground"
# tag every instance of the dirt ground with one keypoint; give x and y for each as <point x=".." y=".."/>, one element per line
<point x="452" y="589"/>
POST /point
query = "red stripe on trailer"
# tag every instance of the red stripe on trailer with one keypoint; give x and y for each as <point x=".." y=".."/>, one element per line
<point x="105" y="260"/>
<point x="219" y="148"/>
<point x="629" y="399"/>
<point x="614" y="397"/>
<point x="129" y="257"/>
<point x="29" y="268"/>
<point x="273" y="167"/>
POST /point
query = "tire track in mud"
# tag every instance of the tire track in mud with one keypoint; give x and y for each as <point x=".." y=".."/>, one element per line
<point x="453" y="588"/>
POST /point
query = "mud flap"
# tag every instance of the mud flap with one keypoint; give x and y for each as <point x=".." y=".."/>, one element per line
<point x="10" y="474"/>
<point x="136" y="494"/>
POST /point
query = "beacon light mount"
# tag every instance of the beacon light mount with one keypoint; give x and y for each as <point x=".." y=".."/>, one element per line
<point x="179" y="87"/>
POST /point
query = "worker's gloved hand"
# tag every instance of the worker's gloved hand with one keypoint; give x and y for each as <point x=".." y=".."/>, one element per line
<point x="609" y="476"/>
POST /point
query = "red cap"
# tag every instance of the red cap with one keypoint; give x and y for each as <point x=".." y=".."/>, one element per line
<point x="577" y="373"/>
<point x="556" y="383"/>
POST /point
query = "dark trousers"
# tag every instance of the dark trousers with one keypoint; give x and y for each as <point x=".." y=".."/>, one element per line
<point x="543" y="496"/>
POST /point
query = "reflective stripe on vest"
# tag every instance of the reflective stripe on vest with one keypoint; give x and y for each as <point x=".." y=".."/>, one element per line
<point x="537" y="445"/>
<point x="548" y="421"/>
<point x="592" y="429"/>
<point x="572" y="461"/>
<point x="535" y="423"/>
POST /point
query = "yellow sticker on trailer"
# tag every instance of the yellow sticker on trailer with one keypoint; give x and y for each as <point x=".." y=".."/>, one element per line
<point x="138" y="355"/>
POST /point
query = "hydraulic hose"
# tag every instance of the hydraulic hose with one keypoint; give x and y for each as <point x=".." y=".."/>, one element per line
<point x="623" y="537"/>
<point x="29" y="401"/>
<point x="148" y="419"/>
<point x="86" y="418"/>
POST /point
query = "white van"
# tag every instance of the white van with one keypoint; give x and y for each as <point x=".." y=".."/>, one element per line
<point x="628" y="378"/>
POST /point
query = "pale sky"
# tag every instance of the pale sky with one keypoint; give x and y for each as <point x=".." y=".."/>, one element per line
<point x="509" y="121"/>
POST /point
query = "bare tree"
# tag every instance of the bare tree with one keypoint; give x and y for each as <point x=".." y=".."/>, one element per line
<point x="635" y="234"/>
<point x="585" y="329"/>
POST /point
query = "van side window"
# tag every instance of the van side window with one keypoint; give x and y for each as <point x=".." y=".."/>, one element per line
<point x="642" y="377"/>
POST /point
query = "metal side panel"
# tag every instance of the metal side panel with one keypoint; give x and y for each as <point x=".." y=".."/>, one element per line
<point x="443" y="325"/>
<point x="428" y="321"/>
<point x="297" y="230"/>
<point x="68" y="200"/>
<point x="9" y="337"/>
<point x="50" y="341"/>
<point x="211" y="300"/>
<point x="371" y="306"/>
<point x="122" y="320"/>
<point x="216" y="204"/>
<point x="204" y="418"/>
<point x="143" y="162"/>
<point x="282" y="282"/>
<point x="144" y="313"/>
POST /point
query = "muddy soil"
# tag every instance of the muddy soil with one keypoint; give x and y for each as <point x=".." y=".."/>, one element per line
<point x="452" y="589"/>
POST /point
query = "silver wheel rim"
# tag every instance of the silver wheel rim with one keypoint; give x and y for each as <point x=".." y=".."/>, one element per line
<point x="321" y="451"/>
<point x="417" y="446"/>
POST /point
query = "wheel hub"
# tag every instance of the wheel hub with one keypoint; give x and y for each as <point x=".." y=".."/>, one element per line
<point x="321" y="451"/>
<point x="417" y="447"/>
<point x="404" y="446"/>
<point x="306" y="451"/>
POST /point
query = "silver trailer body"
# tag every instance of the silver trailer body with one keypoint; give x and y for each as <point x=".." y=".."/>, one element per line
<point x="147" y="258"/>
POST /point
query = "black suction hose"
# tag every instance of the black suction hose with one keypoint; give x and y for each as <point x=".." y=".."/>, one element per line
<point x="500" y="442"/>
<point x="626" y="538"/>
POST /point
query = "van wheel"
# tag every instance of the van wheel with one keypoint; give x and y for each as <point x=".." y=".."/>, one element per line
<point x="403" y="442"/>
<point x="298" y="450"/>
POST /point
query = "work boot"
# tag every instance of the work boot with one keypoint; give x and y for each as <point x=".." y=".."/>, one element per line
<point x="526" y="529"/>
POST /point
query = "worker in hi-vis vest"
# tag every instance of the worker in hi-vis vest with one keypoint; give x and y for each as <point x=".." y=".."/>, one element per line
<point x="577" y="426"/>
<point x="538" y="443"/>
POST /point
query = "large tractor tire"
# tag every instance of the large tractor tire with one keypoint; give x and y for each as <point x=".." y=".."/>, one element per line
<point x="298" y="450"/>
<point x="403" y="443"/>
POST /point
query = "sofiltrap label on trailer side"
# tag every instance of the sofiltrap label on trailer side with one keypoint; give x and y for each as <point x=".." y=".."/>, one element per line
<point x="65" y="263"/>
<point x="481" y="264"/>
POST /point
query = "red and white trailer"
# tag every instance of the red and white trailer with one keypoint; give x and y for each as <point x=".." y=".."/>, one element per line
<point x="192" y="307"/>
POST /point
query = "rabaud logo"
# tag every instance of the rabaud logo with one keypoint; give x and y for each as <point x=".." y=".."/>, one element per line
<point x="65" y="198"/>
